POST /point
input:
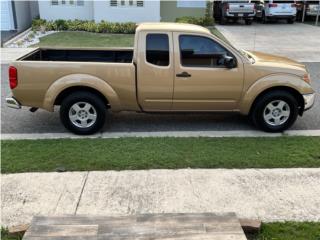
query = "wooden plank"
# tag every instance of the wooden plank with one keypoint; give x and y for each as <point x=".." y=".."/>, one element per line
<point x="164" y="226"/>
<point x="62" y="230"/>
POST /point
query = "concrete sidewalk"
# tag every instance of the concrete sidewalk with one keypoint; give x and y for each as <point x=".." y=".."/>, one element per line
<point x="267" y="194"/>
<point x="10" y="54"/>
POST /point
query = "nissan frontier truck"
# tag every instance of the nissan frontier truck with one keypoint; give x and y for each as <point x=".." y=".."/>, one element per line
<point x="173" y="67"/>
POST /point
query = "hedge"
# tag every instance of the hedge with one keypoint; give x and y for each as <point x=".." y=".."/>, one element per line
<point x="202" y="21"/>
<point x="82" y="25"/>
<point x="103" y="26"/>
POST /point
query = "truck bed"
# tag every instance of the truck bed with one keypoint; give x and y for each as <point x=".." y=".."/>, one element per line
<point x="80" y="55"/>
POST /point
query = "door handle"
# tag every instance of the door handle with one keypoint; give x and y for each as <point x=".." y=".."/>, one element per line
<point x="183" y="74"/>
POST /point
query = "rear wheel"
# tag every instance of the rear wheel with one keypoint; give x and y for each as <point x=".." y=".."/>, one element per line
<point x="275" y="111"/>
<point x="83" y="112"/>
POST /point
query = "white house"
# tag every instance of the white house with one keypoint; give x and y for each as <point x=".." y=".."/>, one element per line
<point x="17" y="15"/>
<point x="111" y="10"/>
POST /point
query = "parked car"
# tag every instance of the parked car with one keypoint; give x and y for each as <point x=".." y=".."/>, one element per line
<point x="276" y="10"/>
<point x="311" y="8"/>
<point x="172" y="68"/>
<point x="226" y="10"/>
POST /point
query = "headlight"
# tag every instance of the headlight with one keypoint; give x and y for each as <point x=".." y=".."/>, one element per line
<point x="306" y="78"/>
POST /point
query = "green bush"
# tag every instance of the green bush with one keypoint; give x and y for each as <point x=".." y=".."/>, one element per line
<point x="81" y="25"/>
<point x="37" y="23"/>
<point x="202" y="21"/>
<point x="61" y="24"/>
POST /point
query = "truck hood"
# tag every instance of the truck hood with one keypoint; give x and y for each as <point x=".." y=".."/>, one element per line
<point x="269" y="58"/>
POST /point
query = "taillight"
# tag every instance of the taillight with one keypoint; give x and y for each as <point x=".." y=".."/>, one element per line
<point x="293" y="5"/>
<point x="273" y="5"/>
<point x="13" y="77"/>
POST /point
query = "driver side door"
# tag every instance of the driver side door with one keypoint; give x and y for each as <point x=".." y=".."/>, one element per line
<point x="201" y="80"/>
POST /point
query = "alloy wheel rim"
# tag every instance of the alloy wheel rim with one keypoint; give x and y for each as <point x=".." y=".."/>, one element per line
<point x="276" y="113"/>
<point x="82" y="114"/>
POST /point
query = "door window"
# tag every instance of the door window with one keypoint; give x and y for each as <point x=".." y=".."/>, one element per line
<point x="157" y="49"/>
<point x="198" y="51"/>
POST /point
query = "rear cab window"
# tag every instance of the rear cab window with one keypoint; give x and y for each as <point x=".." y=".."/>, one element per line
<point x="157" y="49"/>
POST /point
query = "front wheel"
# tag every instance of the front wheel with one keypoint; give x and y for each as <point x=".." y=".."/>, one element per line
<point x="83" y="112"/>
<point x="275" y="111"/>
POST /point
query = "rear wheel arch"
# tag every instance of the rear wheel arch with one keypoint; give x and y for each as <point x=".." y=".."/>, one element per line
<point x="64" y="93"/>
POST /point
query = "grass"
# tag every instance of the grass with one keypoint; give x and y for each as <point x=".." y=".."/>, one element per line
<point x="269" y="231"/>
<point x="159" y="153"/>
<point x="288" y="231"/>
<point x="87" y="39"/>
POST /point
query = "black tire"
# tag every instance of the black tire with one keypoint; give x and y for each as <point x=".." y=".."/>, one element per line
<point x="290" y="20"/>
<point x="248" y="21"/>
<point x="264" y="19"/>
<point x="98" y="108"/>
<point x="223" y="20"/>
<point x="259" y="108"/>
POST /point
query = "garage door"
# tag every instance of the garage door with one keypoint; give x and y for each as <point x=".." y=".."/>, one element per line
<point x="6" y="15"/>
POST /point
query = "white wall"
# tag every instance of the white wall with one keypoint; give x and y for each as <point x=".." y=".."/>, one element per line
<point x="150" y="12"/>
<point x="67" y="11"/>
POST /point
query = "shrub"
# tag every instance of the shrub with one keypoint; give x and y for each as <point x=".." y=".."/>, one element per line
<point x="61" y="24"/>
<point x="37" y="23"/>
<point x="202" y="21"/>
<point x="81" y="25"/>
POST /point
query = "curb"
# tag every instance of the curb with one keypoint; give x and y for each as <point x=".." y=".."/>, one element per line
<point x="181" y="134"/>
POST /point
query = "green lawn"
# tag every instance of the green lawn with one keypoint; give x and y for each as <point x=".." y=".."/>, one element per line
<point x="159" y="153"/>
<point x="288" y="231"/>
<point x="87" y="39"/>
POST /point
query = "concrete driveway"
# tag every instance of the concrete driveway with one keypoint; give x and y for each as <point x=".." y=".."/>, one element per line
<point x="297" y="41"/>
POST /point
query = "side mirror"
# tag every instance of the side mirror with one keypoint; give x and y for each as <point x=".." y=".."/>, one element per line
<point x="229" y="62"/>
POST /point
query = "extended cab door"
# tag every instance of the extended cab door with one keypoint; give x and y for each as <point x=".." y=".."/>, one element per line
<point x="202" y="82"/>
<point x="155" y="71"/>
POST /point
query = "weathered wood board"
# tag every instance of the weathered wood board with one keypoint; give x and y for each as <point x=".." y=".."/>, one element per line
<point x="167" y="226"/>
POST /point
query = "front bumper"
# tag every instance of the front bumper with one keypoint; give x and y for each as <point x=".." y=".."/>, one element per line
<point x="308" y="100"/>
<point x="13" y="103"/>
<point x="240" y="15"/>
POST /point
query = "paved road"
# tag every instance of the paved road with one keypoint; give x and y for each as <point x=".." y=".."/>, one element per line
<point x="23" y="121"/>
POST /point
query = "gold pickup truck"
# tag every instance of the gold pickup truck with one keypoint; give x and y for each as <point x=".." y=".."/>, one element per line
<point x="172" y="68"/>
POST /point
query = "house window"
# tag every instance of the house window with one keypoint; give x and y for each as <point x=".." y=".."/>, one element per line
<point x="71" y="2"/>
<point x="80" y="2"/>
<point x="55" y="2"/>
<point x="127" y="3"/>
<point x="113" y="3"/>
<point x="157" y="49"/>
<point x="63" y="2"/>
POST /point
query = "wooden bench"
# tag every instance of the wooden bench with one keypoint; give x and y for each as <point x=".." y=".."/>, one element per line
<point x="167" y="226"/>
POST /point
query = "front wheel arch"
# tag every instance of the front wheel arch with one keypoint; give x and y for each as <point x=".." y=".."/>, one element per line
<point x="292" y="91"/>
